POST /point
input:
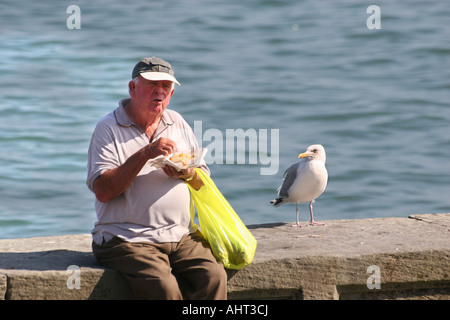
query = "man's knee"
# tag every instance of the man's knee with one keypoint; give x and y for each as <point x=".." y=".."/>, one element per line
<point x="218" y="273"/>
<point x="214" y="282"/>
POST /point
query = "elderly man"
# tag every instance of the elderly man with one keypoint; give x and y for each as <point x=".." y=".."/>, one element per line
<point x="144" y="227"/>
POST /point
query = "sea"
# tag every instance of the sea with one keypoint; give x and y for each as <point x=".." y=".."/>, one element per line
<point x="261" y="80"/>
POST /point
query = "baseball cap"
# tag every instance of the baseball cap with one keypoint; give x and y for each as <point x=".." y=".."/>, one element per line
<point x="155" y="69"/>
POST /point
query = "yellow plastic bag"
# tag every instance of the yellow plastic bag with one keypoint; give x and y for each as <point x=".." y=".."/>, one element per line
<point x="230" y="240"/>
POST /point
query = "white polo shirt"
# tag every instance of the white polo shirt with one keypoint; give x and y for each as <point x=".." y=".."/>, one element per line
<point x="156" y="207"/>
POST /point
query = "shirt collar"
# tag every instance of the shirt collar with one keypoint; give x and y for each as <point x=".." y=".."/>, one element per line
<point x="122" y="117"/>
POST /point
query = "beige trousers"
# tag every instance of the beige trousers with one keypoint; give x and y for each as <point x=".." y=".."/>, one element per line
<point x="168" y="271"/>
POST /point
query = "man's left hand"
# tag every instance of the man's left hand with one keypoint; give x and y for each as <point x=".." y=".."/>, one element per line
<point x="183" y="174"/>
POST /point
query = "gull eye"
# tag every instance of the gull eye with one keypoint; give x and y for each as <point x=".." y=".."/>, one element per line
<point x="314" y="150"/>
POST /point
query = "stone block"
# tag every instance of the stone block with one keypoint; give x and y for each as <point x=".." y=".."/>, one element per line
<point x="335" y="261"/>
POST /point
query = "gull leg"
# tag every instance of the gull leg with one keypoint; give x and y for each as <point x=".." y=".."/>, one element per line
<point x="298" y="223"/>
<point x="312" y="222"/>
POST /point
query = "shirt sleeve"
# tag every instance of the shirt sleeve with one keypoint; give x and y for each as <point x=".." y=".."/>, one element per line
<point x="102" y="153"/>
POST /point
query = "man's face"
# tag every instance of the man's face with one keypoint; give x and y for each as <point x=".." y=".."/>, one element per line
<point x="154" y="96"/>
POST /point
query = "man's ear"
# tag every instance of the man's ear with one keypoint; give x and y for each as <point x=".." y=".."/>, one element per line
<point x="131" y="86"/>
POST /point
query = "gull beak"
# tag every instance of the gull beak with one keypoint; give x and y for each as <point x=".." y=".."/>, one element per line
<point x="303" y="155"/>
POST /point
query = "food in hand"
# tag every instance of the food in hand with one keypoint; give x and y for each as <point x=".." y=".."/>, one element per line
<point x="181" y="157"/>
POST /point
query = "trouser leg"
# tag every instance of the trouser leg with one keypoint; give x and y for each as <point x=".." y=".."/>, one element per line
<point x="145" y="267"/>
<point x="200" y="275"/>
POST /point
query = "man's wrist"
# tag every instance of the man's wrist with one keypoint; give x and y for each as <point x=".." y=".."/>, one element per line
<point x="191" y="178"/>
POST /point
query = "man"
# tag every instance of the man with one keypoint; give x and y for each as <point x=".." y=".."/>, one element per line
<point x="144" y="227"/>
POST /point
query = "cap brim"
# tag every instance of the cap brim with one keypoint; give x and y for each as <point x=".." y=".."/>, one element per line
<point x="159" y="76"/>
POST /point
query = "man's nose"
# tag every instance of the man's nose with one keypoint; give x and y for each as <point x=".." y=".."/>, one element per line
<point x="158" y="87"/>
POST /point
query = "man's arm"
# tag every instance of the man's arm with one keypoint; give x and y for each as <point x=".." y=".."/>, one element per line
<point x="114" y="182"/>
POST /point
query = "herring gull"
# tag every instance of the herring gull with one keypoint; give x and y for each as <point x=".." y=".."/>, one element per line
<point x="304" y="181"/>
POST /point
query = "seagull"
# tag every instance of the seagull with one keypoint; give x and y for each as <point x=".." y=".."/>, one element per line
<point x="304" y="181"/>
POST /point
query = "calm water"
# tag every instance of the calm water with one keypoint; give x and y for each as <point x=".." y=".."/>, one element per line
<point x="378" y="100"/>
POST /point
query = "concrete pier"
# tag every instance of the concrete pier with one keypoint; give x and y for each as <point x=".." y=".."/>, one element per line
<point x="382" y="258"/>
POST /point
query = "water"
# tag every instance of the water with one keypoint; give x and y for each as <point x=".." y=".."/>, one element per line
<point x="378" y="100"/>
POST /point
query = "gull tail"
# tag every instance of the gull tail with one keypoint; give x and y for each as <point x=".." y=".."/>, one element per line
<point x="278" y="201"/>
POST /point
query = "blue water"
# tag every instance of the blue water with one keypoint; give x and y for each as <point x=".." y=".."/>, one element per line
<point x="378" y="100"/>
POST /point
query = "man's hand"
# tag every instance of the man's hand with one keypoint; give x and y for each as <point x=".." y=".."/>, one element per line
<point x="183" y="174"/>
<point x="196" y="182"/>
<point x="162" y="146"/>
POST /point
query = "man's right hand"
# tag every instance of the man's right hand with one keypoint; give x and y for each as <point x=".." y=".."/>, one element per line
<point x="162" y="146"/>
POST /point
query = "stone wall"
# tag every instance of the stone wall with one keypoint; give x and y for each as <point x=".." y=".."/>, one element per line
<point x="383" y="258"/>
